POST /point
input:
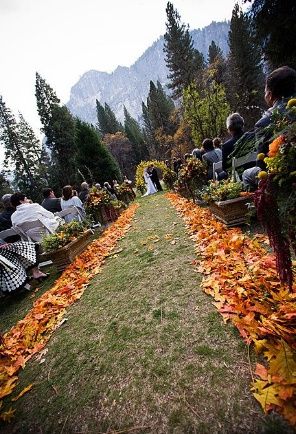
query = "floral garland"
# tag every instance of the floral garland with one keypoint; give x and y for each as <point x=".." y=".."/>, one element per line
<point x="275" y="198"/>
<point x="242" y="278"/>
<point x="31" y="334"/>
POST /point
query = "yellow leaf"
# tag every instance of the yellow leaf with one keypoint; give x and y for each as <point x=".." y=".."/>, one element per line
<point x="6" y="416"/>
<point x="267" y="396"/>
<point x="25" y="390"/>
<point x="8" y="387"/>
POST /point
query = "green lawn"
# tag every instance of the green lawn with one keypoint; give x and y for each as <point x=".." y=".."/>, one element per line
<point x="144" y="350"/>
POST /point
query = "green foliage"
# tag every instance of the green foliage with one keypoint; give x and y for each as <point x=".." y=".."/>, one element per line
<point x="275" y="26"/>
<point x="206" y="111"/>
<point x="93" y="158"/>
<point x="223" y="190"/>
<point x="245" y="80"/>
<point x="214" y="52"/>
<point x="107" y="121"/>
<point x="64" y="235"/>
<point x="183" y="61"/>
<point x="46" y="98"/>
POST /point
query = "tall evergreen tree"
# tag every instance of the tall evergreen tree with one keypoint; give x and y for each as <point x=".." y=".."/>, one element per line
<point x="245" y="82"/>
<point x="107" y="122"/>
<point x="275" y="27"/>
<point x="183" y="61"/>
<point x="94" y="160"/>
<point x="22" y="152"/>
<point x="46" y="98"/>
<point x="135" y="136"/>
<point x="214" y="52"/>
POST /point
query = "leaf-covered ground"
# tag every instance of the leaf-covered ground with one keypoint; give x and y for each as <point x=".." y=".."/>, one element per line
<point x="144" y="350"/>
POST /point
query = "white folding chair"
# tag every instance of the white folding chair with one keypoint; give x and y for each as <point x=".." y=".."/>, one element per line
<point x="216" y="166"/>
<point x="72" y="212"/>
<point x="32" y="231"/>
<point x="7" y="233"/>
<point x="241" y="161"/>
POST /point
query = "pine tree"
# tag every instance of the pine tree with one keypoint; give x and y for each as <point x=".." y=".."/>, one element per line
<point x="214" y="53"/>
<point x="22" y="152"/>
<point x="183" y="61"/>
<point x="63" y="147"/>
<point x="107" y="121"/>
<point x="135" y="136"/>
<point x="275" y="27"/>
<point x="245" y="81"/>
<point x="46" y="98"/>
<point x="94" y="160"/>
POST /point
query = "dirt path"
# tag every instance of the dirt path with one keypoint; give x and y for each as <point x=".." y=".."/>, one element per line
<point x="144" y="350"/>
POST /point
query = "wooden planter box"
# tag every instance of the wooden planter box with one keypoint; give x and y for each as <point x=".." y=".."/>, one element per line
<point x="62" y="257"/>
<point x="232" y="212"/>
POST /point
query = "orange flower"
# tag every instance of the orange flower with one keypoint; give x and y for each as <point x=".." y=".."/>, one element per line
<point x="275" y="146"/>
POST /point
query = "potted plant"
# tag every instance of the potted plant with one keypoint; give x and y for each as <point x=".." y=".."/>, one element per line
<point x="227" y="201"/>
<point x="69" y="240"/>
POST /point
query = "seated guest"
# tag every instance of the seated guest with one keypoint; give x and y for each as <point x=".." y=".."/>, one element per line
<point x="84" y="192"/>
<point x="68" y="200"/>
<point x="16" y="259"/>
<point x="50" y="202"/>
<point x="98" y="186"/>
<point x="210" y="156"/>
<point x="280" y="86"/>
<point x="235" y="127"/>
<point x="110" y="190"/>
<point x="198" y="153"/>
<point x="217" y="145"/>
<point x="5" y="216"/>
<point x="25" y="211"/>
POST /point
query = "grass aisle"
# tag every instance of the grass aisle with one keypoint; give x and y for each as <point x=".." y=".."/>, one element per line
<point x="143" y="350"/>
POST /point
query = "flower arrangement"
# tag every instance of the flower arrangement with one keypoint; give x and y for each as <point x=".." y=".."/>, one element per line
<point x="224" y="190"/>
<point x="125" y="193"/>
<point x="65" y="234"/>
<point x="192" y="177"/>
<point x="96" y="201"/>
<point x="275" y="198"/>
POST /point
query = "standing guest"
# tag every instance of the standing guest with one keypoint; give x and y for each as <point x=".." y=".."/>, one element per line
<point x="5" y="216"/>
<point x="154" y="177"/>
<point x="176" y="165"/>
<point x="210" y="156"/>
<point x="68" y="200"/>
<point x="50" y="201"/>
<point x="84" y="192"/>
<point x="235" y="126"/>
<point x="25" y="211"/>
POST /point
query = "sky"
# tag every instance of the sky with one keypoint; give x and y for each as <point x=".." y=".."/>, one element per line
<point x="63" y="39"/>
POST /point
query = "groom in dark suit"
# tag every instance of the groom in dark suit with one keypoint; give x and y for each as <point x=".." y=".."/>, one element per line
<point x="154" y="178"/>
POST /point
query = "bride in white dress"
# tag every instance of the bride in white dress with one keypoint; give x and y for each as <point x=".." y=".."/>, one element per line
<point x="149" y="184"/>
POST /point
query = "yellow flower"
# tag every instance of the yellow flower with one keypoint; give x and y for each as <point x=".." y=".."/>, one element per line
<point x="291" y="103"/>
<point x="262" y="174"/>
<point x="261" y="156"/>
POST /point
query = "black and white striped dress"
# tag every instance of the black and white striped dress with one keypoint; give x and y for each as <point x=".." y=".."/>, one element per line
<point x="15" y="260"/>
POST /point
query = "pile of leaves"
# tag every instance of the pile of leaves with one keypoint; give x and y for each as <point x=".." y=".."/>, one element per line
<point x="192" y="177"/>
<point x="242" y="278"/>
<point x="275" y="198"/>
<point x="218" y="191"/>
<point x="31" y="334"/>
<point x="64" y="235"/>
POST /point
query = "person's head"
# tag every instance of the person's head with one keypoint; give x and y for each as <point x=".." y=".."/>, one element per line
<point x="6" y="201"/>
<point x="98" y="186"/>
<point x="187" y="156"/>
<point x="207" y="144"/>
<point x="107" y="185"/>
<point x="217" y="142"/>
<point x="18" y="198"/>
<point x="67" y="192"/>
<point x="47" y="192"/>
<point x="280" y="83"/>
<point x="235" y="123"/>
<point x="84" y="186"/>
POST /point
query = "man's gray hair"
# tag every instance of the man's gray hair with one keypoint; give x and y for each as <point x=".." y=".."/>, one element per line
<point x="5" y="199"/>
<point x="235" y="122"/>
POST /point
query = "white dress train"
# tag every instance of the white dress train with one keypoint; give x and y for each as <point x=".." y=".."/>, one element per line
<point x="149" y="185"/>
